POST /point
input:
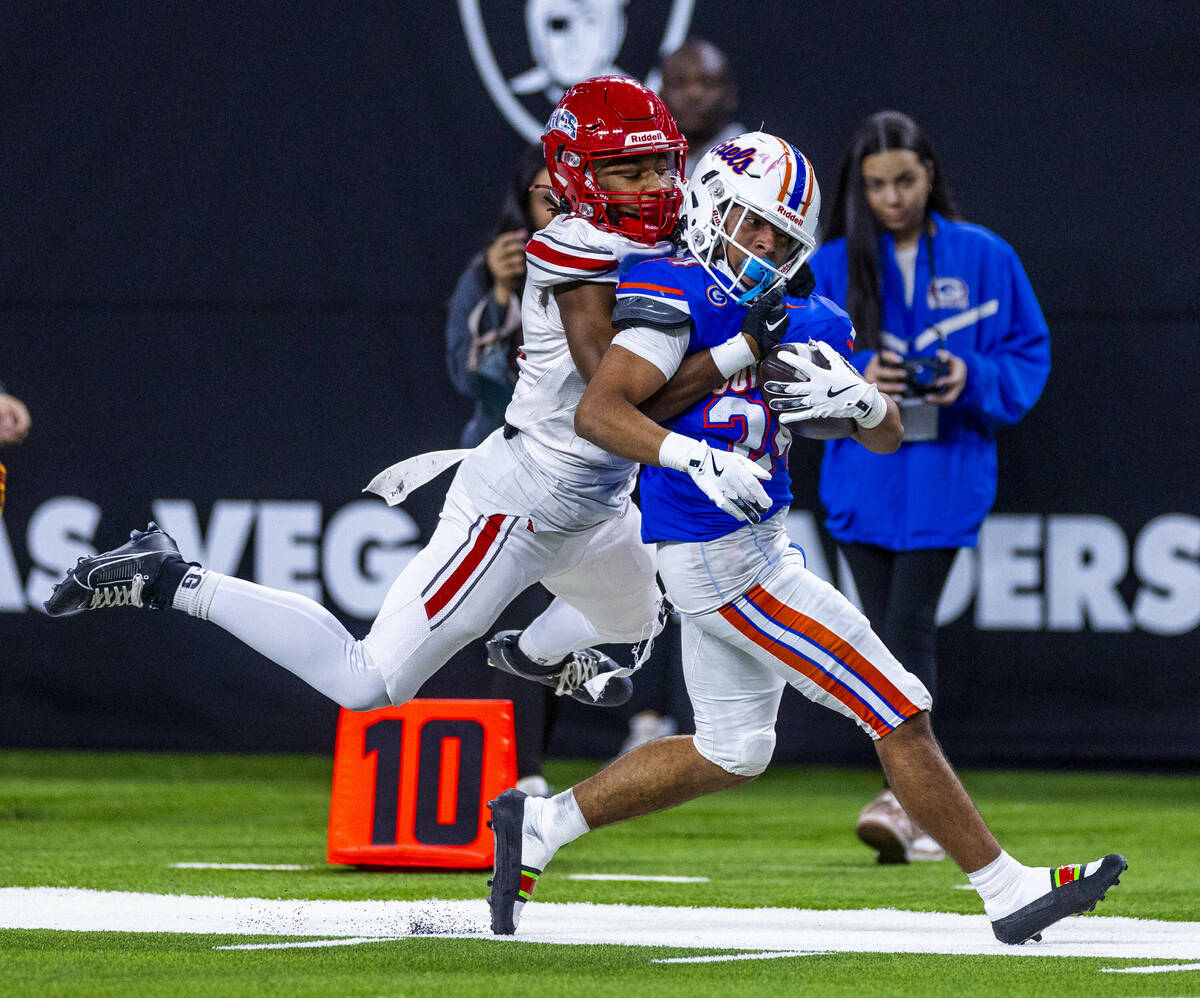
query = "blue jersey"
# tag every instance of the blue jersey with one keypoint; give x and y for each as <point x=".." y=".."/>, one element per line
<point x="936" y="493"/>
<point x="734" y="417"/>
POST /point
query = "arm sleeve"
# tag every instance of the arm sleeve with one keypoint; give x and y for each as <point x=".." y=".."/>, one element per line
<point x="664" y="348"/>
<point x="470" y="289"/>
<point x="1007" y="372"/>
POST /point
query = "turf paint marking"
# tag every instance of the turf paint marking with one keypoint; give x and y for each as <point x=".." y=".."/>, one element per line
<point x="737" y="930"/>
<point x="635" y="876"/>
<point x="1159" y="968"/>
<point x="725" y="957"/>
<point x="238" y="866"/>
<point x="316" y="943"/>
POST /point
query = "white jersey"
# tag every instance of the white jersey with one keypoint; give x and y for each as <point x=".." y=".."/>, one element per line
<point x="549" y="388"/>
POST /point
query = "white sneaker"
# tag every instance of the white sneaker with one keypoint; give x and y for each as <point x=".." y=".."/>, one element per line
<point x="534" y="786"/>
<point x="924" y="849"/>
<point x="644" y="727"/>
<point x="886" y="827"/>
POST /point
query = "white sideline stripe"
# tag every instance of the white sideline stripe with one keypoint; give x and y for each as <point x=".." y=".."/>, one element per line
<point x="1158" y="968"/>
<point x="734" y="929"/>
<point x="636" y="876"/>
<point x="722" y="958"/>
<point x="238" y="866"/>
<point x="815" y="868"/>
<point x="316" y="943"/>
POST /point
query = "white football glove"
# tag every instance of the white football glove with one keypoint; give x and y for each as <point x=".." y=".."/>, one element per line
<point x="839" y="392"/>
<point x="729" y="480"/>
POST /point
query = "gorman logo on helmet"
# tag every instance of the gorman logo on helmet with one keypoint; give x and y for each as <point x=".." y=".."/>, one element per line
<point x="567" y="41"/>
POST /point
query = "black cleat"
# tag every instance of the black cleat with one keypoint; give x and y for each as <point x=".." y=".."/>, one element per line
<point x="581" y="676"/>
<point x="1073" y="889"/>
<point x="124" y="576"/>
<point x="511" y="884"/>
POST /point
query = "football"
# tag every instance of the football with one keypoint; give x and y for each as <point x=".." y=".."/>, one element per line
<point x="773" y="371"/>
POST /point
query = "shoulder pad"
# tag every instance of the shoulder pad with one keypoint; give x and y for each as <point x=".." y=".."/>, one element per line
<point x="635" y="309"/>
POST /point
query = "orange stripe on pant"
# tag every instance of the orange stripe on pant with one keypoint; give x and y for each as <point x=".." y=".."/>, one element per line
<point x="819" y="677"/>
<point x="836" y="645"/>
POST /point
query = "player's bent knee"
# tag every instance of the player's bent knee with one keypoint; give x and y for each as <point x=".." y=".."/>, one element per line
<point x="748" y="757"/>
<point x="364" y="700"/>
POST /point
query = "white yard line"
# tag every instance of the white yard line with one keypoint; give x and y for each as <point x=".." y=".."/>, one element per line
<point x="726" y="957"/>
<point x="237" y="866"/>
<point x="1158" y="968"/>
<point x="316" y="943"/>
<point x="737" y="929"/>
<point x="637" y="876"/>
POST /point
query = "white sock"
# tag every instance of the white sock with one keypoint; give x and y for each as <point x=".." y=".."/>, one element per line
<point x="1005" y="885"/>
<point x="550" y="822"/>
<point x="555" y="633"/>
<point x="195" y="593"/>
<point x="292" y="631"/>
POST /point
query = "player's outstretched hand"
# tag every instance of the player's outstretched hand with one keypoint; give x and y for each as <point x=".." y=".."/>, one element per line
<point x="729" y="480"/>
<point x="826" y="386"/>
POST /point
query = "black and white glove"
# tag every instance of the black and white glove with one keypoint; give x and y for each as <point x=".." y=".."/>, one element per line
<point x="766" y="320"/>
<point x="839" y="392"/>
<point x="729" y="480"/>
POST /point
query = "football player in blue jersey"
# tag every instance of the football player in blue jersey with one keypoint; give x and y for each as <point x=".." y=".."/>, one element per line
<point x="712" y="494"/>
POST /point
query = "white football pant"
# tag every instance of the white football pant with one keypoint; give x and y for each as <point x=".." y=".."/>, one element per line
<point x="476" y="562"/>
<point x="754" y="618"/>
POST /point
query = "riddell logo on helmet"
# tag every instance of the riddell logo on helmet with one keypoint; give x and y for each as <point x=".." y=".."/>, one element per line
<point x="790" y="215"/>
<point x="639" y="138"/>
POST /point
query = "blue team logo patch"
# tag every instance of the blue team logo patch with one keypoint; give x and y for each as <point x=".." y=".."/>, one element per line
<point x="948" y="292"/>
<point x="564" y="121"/>
<point x="717" y="296"/>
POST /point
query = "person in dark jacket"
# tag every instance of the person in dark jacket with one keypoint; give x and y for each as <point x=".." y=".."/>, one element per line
<point x="483" y="325"/>
<point x="948" y="325"/>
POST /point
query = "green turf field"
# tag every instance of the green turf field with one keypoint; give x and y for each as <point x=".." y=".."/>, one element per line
<point x="117" y="822"/>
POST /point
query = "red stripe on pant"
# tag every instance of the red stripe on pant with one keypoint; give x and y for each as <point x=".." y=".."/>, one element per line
<point x="448" y="589"/>
<point x="819" y="677"/>
<point x="836" y="645"/>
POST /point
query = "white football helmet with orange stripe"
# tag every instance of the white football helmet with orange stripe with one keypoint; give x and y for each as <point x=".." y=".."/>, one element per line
<point x="762" y="174"/>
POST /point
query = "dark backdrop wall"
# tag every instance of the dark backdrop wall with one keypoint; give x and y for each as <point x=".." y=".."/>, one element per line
<point x="230" y="235"/>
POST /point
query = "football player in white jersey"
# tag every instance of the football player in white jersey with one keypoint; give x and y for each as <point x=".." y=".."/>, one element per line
<point x="754" y="618"/>
<point x="533" y="503"/>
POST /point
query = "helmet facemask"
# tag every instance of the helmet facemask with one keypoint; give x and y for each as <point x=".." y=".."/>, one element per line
<point x="755" y="275"/>
<point x="643" y="216"/>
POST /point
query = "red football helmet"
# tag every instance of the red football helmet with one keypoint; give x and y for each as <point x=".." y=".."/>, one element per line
<point x="610" y="117"/>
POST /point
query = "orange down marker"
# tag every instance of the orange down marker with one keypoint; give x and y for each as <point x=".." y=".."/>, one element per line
<point x="411" y="784"/>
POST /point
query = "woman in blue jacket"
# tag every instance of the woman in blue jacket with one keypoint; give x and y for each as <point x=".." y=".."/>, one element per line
<point x="947" y="324"/>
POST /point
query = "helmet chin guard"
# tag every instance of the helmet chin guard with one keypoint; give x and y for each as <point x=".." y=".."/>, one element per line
<point x="606" y="118"/>
<point x="760" y="174"/>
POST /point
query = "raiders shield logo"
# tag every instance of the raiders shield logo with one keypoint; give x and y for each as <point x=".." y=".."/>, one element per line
<point x="528" y="53"/>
